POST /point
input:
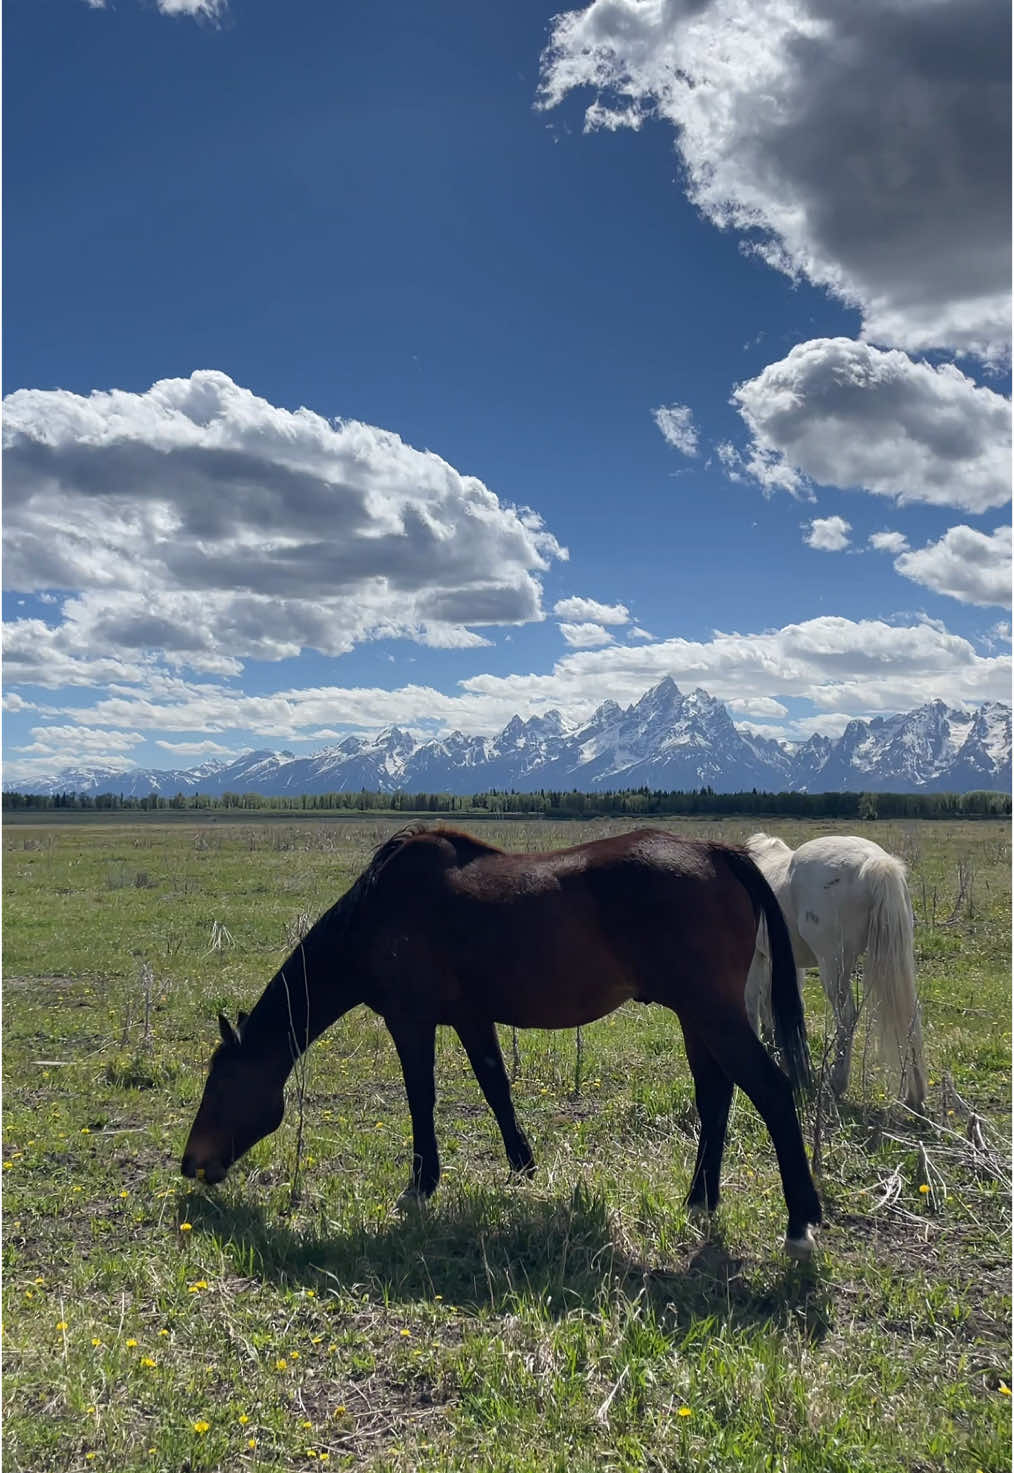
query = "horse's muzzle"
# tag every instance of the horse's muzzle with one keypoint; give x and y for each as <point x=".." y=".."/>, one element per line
<point x="212" y="1173"/>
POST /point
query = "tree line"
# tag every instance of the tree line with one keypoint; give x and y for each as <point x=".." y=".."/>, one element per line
<point x="545" y="803"/>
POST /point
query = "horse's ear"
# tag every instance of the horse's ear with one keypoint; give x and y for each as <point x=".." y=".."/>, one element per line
<point x="228" y="1032"/>
<point x="241" y="1018"/>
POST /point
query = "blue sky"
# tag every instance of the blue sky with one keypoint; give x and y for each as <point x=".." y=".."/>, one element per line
<point x="423" y="364"/>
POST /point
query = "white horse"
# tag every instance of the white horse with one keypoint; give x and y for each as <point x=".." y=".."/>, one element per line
<point x="844" y="897"/>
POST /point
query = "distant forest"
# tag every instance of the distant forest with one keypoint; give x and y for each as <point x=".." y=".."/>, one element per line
<point x="548" y="803"/>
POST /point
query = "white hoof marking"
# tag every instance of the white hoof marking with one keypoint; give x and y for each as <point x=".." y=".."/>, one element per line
<point x="800" y="1248"/>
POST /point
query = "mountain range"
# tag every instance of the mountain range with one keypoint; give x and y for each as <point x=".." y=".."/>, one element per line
<point x="666" y="740"/>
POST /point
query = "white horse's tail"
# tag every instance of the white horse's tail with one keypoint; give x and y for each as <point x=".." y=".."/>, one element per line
<point x="889" y="974"/>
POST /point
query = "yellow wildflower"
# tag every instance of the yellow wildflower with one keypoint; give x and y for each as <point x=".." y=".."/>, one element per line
<point x="684" y="1412"/>
<point x="131" y="1344"/>
<point x="243" y="1419"/>
<point x="281" y="1363"/>
<point x="201" y="1427"/>
<point x="185" y="1227"/>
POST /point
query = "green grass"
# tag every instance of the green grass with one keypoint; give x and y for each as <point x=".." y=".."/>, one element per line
<point x="580" y="1321"/>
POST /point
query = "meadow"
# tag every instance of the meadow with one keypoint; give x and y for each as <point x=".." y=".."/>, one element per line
<point x="293" y="1319"/>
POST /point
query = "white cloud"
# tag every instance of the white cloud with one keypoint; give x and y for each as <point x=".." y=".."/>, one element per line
<point x="676" y="421"/>
<point x="585" y="636"/>
<point x="59" y="747"/>
<point x="212" y="10"/>
<point x="829" y="534"/>
<point x="756" y="706"/>
<point x="199" y="524"/>
<point x="862" y="146"/>
<point x="840" y="666"/>
<point x="964" y="564"/>
<point x="894" y="542"/>
<point x="590" y="608"/>
<point x="195" y="749"/>
<point x="638" y="633"/>
<point x="844" y="414"/>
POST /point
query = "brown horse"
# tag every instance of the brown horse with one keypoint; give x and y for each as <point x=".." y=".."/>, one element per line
<point x="443" y="928"/>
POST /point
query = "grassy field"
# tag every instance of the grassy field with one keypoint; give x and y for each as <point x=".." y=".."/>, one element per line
<point x="293" y="1320"/>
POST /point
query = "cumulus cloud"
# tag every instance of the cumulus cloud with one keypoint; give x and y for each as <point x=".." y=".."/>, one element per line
<point x="211" y="10"/>
<point x="894" y="542"/>
<point x="198" y="523"/>
<point x="829" y="534"/>
<point x="864" y="147"/>
<point x="964" y="564"/>
<point x="585" y="636"/>
<point x="841" y="667"/>
<point x="191" y="750"/>
<point x="844" y="414"/>
<point x="676" y="421"/>
<point x="203" y="9"/>
<point x="590" y="608"/>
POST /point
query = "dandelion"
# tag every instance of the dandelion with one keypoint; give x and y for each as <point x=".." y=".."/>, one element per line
<point x="201" y="1427"/>
<point x="281" y="1363"/>
<point x="124" y="1194"/>
<point x="685" y="1412"/>
<point x="95" y="1340"/>
<point x="131" y="1344"/>
<point x="39" y="1280"/>
<point x="185" y="1227"/>
<point x="339" y="1410"/>
<point x="316" y="1339"/>
<point x="89" y="1456"/>
<point x="1004" y="1389"/>
<point x="924" y="1189"/>
<point x="311" y="1293"/>
<point x="405" y="1334"/>
<point x="8" y="1165"/>
<point x="200" y="1284"/>
<point x="85" y="1130"/>
<point x="77" y="1189"/>
<point x="147" y="1362"/>
<point x="243" y="1419"/>
<point x="163" y="1332"/>
<point x="307" y="1424"/>
<point x="251" y="1442"/>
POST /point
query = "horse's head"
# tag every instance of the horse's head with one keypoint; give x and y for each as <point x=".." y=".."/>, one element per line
<point x="243" y="1101"/>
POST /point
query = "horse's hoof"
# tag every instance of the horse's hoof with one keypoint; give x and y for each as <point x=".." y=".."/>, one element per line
<point x="801" y="1249"/>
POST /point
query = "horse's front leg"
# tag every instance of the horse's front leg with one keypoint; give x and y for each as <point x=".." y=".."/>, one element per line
<point x="415" y="1041"/>
<point x="483" y="1049"/>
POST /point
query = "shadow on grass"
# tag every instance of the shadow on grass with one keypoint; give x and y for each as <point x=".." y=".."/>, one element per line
<point x="482" y="1251"/>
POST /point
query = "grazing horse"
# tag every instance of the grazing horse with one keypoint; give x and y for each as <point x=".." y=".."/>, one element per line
<point x="441" y="928"/>
<point x="844" y="897"/>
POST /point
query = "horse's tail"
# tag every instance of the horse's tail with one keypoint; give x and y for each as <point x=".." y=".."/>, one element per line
<point x="889" y="973"/>
<point x="786" y="1003"/>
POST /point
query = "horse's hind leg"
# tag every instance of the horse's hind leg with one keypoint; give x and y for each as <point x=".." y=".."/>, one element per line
<point x="743" y="1057"/>
<point x="713" y="1090"/>
<point x="416" y="1045"/>
<point x="483" y="1049"/>
<point x="836" y="979"/>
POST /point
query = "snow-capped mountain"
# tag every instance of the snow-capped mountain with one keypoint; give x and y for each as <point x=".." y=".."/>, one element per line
<point x="664" y="740"/>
